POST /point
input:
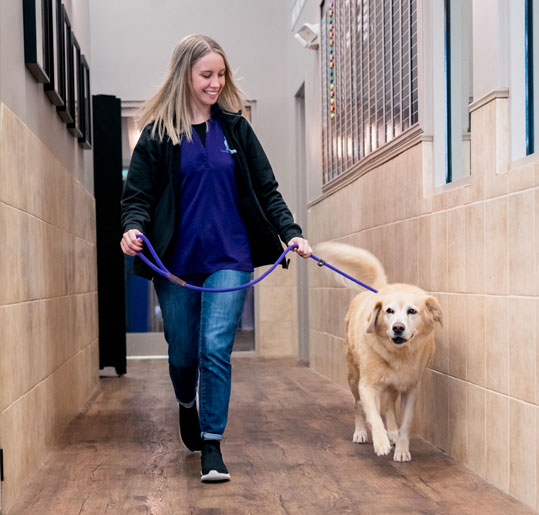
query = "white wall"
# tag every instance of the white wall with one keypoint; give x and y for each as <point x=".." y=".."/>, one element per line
<point x="304" y="66"/>
<point x="490" y="46"/>
<point x="26" y="98"/>
<point x="132" y="42"/>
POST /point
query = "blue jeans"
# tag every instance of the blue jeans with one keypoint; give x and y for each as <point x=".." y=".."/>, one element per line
<point x="200" y="328"/>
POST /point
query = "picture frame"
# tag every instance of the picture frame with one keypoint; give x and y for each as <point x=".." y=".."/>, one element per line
<point x="85" y="141"/>
<point x="75" y="126"/>
<point x="65" y="80"/>
<point x="36" y="29"/>
<point x="52" y="87"/>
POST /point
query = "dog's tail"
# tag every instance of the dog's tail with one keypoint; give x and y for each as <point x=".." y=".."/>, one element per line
<point x="356" y="262"/>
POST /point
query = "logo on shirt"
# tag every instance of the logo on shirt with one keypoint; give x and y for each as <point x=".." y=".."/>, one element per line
<point x="227" y="149"/>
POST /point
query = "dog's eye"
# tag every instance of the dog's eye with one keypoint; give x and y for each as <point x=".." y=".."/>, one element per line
<point x="412" y="311"/>
<point x="390" y="311"/>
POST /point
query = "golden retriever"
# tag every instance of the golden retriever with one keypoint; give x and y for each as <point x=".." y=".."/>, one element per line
<point x="389" y="342"/>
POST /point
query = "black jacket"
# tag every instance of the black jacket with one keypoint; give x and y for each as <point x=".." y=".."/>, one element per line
<point x="150" y="197"/>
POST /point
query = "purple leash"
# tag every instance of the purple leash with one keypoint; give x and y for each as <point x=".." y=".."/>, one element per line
<point x="162" y="270"/>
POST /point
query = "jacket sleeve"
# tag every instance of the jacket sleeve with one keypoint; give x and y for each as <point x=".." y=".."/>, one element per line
<point x="265" y="186"/>
<point x="141" y="187"/>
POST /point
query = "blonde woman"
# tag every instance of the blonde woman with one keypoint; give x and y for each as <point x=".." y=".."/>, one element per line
<point x="201" y="188"/>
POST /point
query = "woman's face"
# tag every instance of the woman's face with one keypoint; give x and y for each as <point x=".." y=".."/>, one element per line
<point x="208" y="80"/>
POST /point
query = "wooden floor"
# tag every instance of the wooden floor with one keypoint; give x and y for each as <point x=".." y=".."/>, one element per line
<point x="288" y="447"/>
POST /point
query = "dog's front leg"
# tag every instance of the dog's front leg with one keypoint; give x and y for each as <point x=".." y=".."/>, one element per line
<point x="391" y="419"/>
<point x="402" y="447"/>
<point x="360" y="430"/>
<point x="370" y="397"/>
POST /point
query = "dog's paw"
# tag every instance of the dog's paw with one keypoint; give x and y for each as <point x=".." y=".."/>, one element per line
<point x="360" y="436"/>
<point x="402" y="450"/>
<point x="393" y="436"/>
<point x="382" y="445"/>
<point x="402" y="455"/>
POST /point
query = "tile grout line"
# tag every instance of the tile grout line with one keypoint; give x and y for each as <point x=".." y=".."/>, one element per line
<point x="42" y="380"/>
<point x="44" y="299"/>
<point x="19" y="121"/>
<point x="448" y="293"/>
<point x="47" y="222"/>
<point x="488" y="390"/>
<point x="424" y="215"/>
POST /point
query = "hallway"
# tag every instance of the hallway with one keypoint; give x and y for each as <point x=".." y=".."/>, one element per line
<point x="288" y="448"/>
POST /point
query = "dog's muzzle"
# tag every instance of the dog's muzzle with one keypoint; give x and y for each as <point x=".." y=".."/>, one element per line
<point x="397" y="330"/>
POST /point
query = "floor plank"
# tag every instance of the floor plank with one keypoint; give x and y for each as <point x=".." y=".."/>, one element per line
<point x="288" y="447"/>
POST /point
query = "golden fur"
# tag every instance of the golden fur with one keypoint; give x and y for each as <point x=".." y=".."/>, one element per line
<point x="389" y="343"/>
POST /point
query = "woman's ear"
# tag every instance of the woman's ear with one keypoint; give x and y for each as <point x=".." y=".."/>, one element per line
<point x="434" y="311"/>
<point x="373" y="318"/>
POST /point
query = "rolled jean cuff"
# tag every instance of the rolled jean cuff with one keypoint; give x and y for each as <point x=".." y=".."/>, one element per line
<point x="211" y="436"/>
<point x="187" y="404"/>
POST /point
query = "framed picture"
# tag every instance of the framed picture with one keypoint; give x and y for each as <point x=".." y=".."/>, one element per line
<point x="52" y="88"/>
<point x="85" y="141"/>
<point x="36" y="28"/>
<point x="65" y="78"/>
<point x="75" y="126"/>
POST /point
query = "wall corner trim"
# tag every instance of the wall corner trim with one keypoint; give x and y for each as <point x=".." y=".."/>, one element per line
<point x="385" y="153"/>
<point x="489" y="97"/>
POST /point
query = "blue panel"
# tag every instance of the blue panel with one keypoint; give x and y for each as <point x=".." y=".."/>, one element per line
<point x="137" y="300"/>
<point x="448" y="132"/>
<point x="528" y="45"/>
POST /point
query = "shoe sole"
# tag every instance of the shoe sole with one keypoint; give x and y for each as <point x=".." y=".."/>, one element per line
<point x="214" y="477"/>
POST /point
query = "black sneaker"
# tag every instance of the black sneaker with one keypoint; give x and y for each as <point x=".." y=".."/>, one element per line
<point x="190" y="428"/>
<point x="213" y="468"/>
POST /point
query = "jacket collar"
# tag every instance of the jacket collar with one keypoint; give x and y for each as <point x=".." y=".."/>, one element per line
<point x="217" y="112"/>
<point x="230" y="118"/>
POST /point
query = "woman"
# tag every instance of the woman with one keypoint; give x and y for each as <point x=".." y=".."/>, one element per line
<point x="202" y="190"/>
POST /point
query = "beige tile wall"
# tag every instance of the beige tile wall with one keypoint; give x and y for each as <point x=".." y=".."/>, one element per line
<point x="48" y="300"/>
<point x="276" y="311"/>
<point x="475" y="245"/>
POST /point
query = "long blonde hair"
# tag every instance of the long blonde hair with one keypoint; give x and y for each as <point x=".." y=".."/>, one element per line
<point x="169" y="109"/>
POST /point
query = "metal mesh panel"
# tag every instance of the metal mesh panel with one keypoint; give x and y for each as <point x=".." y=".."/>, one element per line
<point x="375" y="80"/>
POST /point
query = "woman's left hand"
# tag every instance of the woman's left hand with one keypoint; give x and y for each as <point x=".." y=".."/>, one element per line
<point x="304" y="249"/>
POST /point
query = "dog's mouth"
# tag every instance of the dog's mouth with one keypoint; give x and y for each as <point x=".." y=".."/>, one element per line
<point x="398" y="340"/>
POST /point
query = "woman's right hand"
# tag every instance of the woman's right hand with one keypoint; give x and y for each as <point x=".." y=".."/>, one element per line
<point x="130" y="243"/>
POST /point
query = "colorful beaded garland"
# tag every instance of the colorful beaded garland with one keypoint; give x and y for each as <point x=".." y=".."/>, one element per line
<point x="331" y="60"/>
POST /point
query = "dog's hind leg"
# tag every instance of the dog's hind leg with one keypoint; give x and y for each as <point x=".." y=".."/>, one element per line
<point x="360" y="431"/>
<point x="391" y="419"/>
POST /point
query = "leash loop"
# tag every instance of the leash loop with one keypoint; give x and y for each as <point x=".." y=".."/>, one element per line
<point x="161" y="269"/>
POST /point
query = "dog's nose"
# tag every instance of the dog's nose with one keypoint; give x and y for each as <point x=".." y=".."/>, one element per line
<point x="398" y="328"/>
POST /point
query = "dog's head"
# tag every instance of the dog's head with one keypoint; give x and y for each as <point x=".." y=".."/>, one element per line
<point x="402" y="313"/>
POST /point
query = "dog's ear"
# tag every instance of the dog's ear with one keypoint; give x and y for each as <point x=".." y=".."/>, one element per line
<point x="373" y="318"/>
<point x="434" y="311"/>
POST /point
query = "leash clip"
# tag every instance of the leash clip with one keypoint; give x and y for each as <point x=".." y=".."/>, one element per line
<point x="321" y="262"/>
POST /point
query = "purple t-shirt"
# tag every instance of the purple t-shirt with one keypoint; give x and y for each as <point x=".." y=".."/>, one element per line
<point x="210" y="235"/>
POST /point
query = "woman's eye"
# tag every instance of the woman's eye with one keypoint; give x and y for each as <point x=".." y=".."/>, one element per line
<point x="390" y="311"/>
<point x="412" y="311"/>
